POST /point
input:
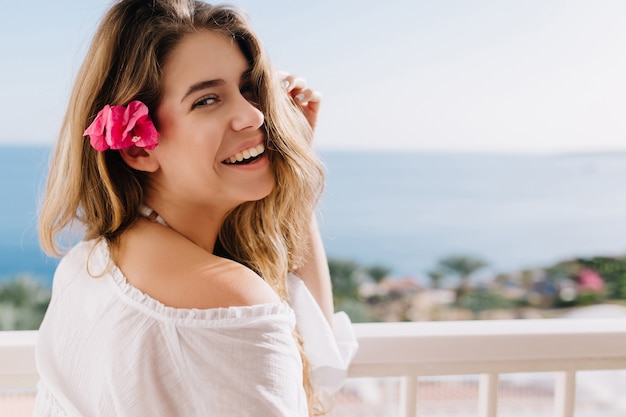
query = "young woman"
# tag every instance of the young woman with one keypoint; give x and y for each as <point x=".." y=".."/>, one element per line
<point x="201" y="286"/>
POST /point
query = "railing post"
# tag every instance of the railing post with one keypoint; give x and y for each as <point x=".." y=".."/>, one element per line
<point x="408" y="396"/>
<point x="488" y="395"/>
<point x="565" y="394"/>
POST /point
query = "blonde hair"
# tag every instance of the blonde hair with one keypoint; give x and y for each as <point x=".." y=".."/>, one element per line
<point x="100" y="192"/>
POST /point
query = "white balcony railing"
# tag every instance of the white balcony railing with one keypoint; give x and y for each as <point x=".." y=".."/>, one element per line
<point x="490" y="348"/>
<point x="414" y="350"/>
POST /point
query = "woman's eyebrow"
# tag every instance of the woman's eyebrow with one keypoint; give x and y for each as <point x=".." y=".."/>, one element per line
<point x="201" y="86"/>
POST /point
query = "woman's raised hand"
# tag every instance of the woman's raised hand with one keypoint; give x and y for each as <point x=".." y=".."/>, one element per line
<point x="306" y="98"/>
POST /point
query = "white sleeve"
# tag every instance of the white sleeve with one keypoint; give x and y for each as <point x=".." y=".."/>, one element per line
<point x="251" y="369"/>
<point x="330" y="350"/>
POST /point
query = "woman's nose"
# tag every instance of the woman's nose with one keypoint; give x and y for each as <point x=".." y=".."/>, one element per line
<point x="246" y="115"/>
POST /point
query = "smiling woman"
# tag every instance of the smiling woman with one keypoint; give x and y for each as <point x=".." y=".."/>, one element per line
<point x="207" y="115"/>
<point x="201" y="287"/>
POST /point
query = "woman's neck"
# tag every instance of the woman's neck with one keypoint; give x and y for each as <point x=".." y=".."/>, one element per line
<point x="200" y="225"/>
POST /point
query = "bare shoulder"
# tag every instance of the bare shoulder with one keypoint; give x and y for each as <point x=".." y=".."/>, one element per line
<point x="171" y="269"/>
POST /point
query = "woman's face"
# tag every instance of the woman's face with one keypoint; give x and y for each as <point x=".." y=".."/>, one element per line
<point x="211" y="148"/>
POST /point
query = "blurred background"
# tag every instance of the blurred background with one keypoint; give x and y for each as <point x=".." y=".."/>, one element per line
<point x="475" y="151"/>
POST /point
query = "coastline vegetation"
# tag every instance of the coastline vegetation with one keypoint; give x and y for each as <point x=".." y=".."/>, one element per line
<point x="371" y="293"/>
<point x="23" y="303"/>
<point x="452" y="293"/>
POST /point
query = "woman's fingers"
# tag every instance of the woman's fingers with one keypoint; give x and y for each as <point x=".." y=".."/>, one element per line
<point x="291" y="82"/>
<point x="308" y="99"/>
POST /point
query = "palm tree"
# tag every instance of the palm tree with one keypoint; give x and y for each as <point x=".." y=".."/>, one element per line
<point x="436" y="276"/>
<point x="463" y="267"/>
<point x="378" y="273"/>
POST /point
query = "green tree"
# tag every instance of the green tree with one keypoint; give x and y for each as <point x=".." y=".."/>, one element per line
<point x="612" y="271"/>
<point x="462" y="267"/>
<point x="378" y="272"/>
<point x="483" y="300"/>
<point x="344" y="275"/>
<point x="436" y="277"/>
<point x="23" y="303"/>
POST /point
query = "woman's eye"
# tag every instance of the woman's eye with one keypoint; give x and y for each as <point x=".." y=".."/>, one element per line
<point x="205" y="101"/>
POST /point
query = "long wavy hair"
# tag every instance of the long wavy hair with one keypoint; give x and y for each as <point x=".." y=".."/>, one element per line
<point x="100" y="193"/>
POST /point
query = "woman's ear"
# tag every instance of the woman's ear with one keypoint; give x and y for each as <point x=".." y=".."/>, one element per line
<point x="139" y="159"/>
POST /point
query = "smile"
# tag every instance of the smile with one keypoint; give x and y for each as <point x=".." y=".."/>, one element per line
<point x="246" y="156"/>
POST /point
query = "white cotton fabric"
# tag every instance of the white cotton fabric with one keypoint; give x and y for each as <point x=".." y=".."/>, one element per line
<point x="106" y="349"/>
<point x="329" y="349"/>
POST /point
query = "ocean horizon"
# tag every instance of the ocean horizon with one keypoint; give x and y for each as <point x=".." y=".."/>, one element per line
<point x="406" y="210"/>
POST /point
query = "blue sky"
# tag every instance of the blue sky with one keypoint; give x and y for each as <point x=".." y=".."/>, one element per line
<point x="481" y="75"/>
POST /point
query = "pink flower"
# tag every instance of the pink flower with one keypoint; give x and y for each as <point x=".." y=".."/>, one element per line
<point x="119" y="127"/>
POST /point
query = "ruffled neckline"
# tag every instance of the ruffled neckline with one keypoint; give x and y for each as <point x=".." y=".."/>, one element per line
<point x="188" y="315"/>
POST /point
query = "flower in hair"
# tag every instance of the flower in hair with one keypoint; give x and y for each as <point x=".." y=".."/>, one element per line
<point x="119" y="127"/>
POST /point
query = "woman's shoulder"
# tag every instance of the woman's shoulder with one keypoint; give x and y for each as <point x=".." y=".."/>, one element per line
<point x="174" y="271"/>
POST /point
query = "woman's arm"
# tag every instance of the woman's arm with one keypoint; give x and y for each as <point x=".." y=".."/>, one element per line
<point x="314" y="272"/>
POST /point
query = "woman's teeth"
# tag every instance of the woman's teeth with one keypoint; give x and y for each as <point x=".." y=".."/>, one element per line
<point x="246" y="154"/>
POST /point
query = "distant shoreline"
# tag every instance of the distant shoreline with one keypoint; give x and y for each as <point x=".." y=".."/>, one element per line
<point x="407" y="210"/>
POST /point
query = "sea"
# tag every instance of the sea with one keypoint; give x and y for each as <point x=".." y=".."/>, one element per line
<point x="405" y="210"/>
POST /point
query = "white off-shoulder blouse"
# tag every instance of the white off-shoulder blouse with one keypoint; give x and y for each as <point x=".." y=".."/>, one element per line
<point x="107" y="349"/>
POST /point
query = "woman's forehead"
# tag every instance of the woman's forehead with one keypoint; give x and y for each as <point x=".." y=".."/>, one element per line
<point x="203" y="56"/>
